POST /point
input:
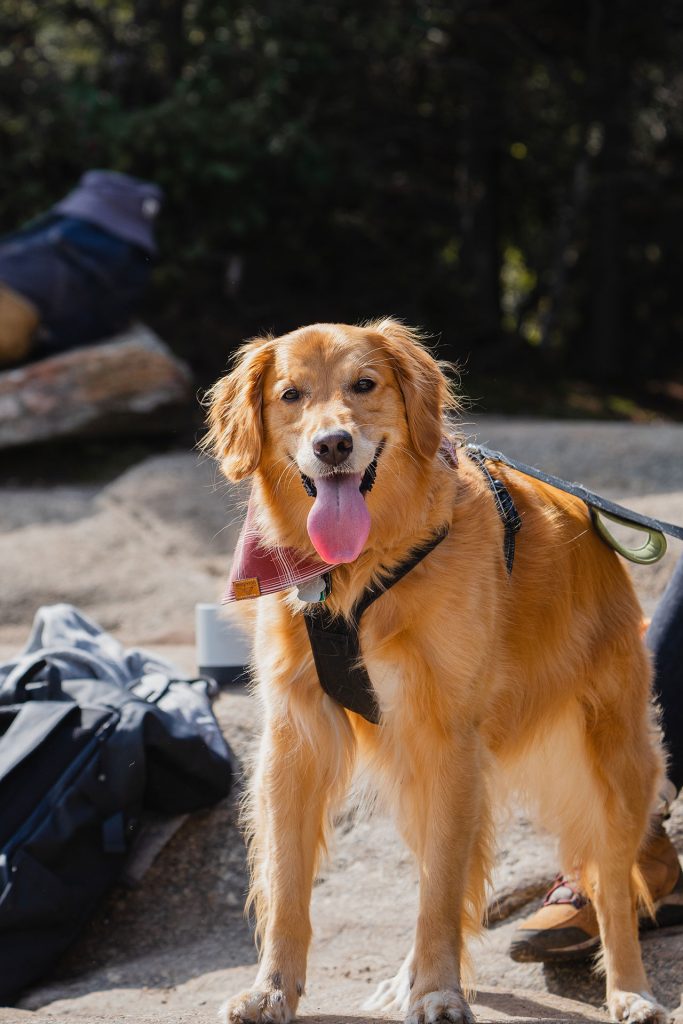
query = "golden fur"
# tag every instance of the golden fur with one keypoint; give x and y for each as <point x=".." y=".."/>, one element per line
<point x="540" y="679"/>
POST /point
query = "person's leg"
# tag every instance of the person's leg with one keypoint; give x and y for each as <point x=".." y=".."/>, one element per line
<point x="665" y="640"/>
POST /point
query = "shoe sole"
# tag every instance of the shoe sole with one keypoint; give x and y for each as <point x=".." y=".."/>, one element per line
<point x="523" y="951"/>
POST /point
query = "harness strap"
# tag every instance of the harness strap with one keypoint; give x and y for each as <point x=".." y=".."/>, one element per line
<point x="505" y="506"/>
<point x="386" y="581"/>
<point x="335" y="640"/>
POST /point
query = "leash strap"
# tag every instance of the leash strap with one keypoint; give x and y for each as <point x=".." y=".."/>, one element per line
<point x="653" y="548"/>
<point x="505" y="506"/>
<point x="335" y="640"/>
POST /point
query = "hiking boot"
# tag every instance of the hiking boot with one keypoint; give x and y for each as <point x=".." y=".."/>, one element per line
<point x="565" y="927"/>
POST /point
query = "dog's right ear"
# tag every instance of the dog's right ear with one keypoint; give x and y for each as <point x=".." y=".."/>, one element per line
<point x="426" y="391"/>
<point x="235" y="434"/>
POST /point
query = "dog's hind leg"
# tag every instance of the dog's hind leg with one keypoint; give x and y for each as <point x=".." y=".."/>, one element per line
<point x="627" y="764"/>
<point x="600" y="811"/>
<point x="304" y="763"/>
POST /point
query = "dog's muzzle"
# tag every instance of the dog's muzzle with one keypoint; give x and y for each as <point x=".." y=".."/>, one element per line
<point x="366" y="484"/>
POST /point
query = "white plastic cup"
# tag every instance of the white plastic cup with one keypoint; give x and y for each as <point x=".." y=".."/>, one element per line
<point x="222" y="647"/>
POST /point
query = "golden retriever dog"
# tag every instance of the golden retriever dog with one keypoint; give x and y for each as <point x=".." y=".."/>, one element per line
<point x="537" y="677"/>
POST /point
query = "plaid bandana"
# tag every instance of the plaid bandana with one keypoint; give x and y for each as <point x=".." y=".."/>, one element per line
<point x="258" y="570"/>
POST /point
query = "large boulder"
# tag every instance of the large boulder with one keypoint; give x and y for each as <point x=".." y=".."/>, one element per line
<point x="116" y="386"/>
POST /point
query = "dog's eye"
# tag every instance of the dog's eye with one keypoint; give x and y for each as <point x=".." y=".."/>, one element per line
<point x="363" y="385"/>
<point x="290" y="395"/>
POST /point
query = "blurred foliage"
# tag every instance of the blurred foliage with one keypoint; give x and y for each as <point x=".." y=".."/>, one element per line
<point x="506" y="175"/>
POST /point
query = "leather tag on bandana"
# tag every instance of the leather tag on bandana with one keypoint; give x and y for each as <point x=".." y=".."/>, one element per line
<point x="246" y="588"/>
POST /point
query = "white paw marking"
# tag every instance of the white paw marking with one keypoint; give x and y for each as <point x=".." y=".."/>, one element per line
<point x="439" y="1007"/>
<point x="257" y="1007"/>
<point x="636" y="1008"/>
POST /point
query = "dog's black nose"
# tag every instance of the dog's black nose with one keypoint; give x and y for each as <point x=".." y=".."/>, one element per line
<point x="333" y="448"/>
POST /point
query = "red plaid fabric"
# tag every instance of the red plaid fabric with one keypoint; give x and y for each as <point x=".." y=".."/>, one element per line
<point x="258" y="570"/>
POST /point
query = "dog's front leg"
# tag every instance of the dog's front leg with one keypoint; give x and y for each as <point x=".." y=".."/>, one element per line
<point x="303" y="766"/>
<point x="445" y="818"/>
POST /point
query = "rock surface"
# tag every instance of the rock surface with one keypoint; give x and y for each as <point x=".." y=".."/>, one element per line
<point x="136" y="554"/>
<point x="113" y="386"/>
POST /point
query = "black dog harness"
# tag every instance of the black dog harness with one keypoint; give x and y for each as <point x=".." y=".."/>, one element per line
<point x="336" y="645"/>
<point x="335" y="640"/>
<point x="505" y="506"/>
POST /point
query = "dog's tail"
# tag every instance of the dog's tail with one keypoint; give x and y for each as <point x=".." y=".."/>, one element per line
<point x="644" y="900"/>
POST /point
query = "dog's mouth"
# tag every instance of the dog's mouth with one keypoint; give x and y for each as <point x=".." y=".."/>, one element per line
<point x="339" y="522"/>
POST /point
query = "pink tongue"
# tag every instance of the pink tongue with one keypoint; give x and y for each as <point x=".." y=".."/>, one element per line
<point x="339" y="522"/>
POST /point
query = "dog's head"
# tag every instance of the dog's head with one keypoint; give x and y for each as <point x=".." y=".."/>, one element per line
<point x="317" y="412"/>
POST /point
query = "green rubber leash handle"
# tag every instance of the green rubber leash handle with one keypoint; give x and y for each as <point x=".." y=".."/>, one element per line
<point x="647" y="554"/>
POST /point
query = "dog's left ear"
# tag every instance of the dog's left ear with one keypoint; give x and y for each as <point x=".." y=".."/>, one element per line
<point x="235" y="434"/>
<point x="425" y="390"/>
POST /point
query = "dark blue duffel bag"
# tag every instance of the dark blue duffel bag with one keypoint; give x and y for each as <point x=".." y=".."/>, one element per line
<point x="80" y="761"/>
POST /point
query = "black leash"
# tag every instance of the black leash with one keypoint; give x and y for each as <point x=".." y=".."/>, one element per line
<point x="336" y="644"/>
<point x="650" y="552"/>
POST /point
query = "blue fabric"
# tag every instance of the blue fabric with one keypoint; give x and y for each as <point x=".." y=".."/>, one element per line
<point x="665" y="640"/>
<point x="84" y="282"/>
<point x="117" y="203"/>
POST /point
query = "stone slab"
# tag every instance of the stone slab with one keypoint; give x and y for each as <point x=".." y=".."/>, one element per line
<point x="111" y="387"/>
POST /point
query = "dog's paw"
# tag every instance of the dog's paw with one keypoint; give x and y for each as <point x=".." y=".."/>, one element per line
<point x="636" y="1008"/>
<point x="257" y="1006"/>
<point x="392" y="994"/>
<point x="445" y="1007"/>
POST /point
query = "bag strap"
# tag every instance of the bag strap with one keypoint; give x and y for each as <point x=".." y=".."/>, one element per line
<point x="21" y="684"/>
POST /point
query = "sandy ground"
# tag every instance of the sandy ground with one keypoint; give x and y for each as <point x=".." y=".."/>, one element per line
<point x="136" y="554"/>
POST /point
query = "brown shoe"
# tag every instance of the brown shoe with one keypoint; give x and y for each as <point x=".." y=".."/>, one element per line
<point x="565" y="927"/>
<point x="662" y="872"/>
